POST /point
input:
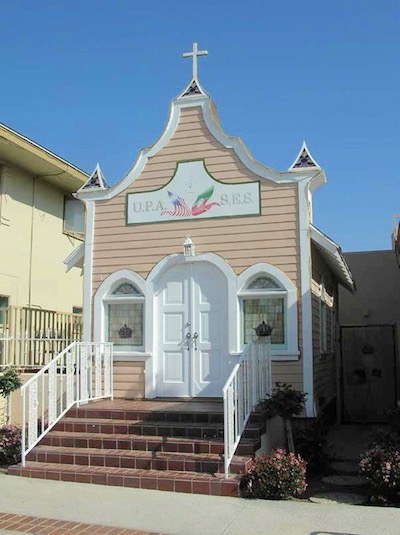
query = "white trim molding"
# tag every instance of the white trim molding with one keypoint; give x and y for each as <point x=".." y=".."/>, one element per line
<point x="210" y="116"/>
<point x="306" y="302"/>
<point x="87" y="271"/>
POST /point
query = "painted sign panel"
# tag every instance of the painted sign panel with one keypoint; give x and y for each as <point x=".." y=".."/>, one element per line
<point x="193" y="194"/>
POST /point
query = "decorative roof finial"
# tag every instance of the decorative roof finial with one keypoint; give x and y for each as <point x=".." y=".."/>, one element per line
<point x="303" y="159"/>
<point x="194" y="54"/>
<point x="95" y="181"/>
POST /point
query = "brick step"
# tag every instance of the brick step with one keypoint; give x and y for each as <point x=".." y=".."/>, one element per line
<point x="90" y="412"/>
<point x="164" y="429"/>
<point x="145" y="443"/>
<point x="146" y="416"/>
<point x="189" y="482"/>
<point x="144" y="460"/>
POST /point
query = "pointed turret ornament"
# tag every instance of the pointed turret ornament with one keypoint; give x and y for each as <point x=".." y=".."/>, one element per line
<point x="303" y="160"/>
<point x="96" y="181"/>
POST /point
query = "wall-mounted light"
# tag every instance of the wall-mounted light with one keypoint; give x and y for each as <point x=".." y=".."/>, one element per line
<point x="189" y="248"/>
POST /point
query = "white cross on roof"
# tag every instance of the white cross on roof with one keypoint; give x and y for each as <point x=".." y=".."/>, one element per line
<point x="194" y="54"/>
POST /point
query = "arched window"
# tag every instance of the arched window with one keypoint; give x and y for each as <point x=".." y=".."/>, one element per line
<point x="264" y="299"/>
<point x="124" y="313"/>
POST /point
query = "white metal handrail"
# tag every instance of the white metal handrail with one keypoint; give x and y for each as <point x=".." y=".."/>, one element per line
<point x="249" y="383"/>
<point x="81" y="372"/>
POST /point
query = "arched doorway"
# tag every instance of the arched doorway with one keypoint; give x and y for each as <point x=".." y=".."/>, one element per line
<point x="191" y="330"/>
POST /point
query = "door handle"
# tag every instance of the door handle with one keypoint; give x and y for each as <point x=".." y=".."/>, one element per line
<point x="195" y="336"/>
<point x="188" y="337"/>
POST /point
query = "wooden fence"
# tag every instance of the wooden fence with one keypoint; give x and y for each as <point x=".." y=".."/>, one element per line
<point x="31" y="337"/>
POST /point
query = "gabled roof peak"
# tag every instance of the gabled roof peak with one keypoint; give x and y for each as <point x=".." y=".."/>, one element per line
<point x="304" y="159"/>
<point x="96" y="181"/>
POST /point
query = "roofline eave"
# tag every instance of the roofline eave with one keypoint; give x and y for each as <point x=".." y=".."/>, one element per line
<point x="12" y="136"/>
<point x="335" y="252"/>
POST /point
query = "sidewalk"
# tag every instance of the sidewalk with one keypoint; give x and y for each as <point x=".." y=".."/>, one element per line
<point x="186" y="514"/>
<point x="16" y="524"/>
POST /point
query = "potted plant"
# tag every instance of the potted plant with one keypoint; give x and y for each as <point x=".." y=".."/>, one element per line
<point x="286" y="402"/>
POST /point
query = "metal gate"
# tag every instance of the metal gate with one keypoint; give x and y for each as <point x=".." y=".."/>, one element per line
<point x="368" y="372"/>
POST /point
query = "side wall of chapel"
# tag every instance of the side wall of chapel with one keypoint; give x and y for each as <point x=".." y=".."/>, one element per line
<point x="324" y="362"/>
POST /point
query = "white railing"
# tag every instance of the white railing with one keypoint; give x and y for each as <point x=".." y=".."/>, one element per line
<point x="81" y="372"/>
<point x="249" y="383"/>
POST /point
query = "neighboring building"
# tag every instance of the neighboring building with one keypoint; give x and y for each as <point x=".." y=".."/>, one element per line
<point x="40" y="224"/>
<point x="179" y="322"/>
<point x="370" y="321"/>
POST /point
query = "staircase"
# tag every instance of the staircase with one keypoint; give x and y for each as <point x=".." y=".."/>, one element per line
<point x="164" y="445"/>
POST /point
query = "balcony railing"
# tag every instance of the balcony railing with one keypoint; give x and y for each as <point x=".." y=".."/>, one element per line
<point x="30" y="338"/>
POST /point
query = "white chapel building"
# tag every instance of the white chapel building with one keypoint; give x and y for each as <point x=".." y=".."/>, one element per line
<point x="197" y="246"/>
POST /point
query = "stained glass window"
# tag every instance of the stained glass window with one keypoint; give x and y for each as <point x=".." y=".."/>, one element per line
<point x="304" y="160"/>
<point x="126" y="316"/>
<point x="268" y="309"/>
<point x="262" y="283"/>
<point x="193" y="89"/>
<point x="126" y="288"/>
<point x="264" y="300"/>
<point x="125" y="324"/>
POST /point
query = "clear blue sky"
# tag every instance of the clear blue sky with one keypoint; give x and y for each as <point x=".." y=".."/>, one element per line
<point x="92" y="81"/>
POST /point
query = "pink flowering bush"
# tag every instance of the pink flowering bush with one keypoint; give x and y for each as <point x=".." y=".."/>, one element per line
<point x="276" y="476"/>
<point x="10" y="444"/>
<point x="381" y="468"/>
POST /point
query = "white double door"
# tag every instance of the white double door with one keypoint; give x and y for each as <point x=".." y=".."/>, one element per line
<point x="192" y="331"/>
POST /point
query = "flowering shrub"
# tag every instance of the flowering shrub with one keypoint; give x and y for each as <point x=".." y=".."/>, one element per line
<point x="381" y="467"/>
<point x="10" y="444"/>
<point x="276" y="476"/>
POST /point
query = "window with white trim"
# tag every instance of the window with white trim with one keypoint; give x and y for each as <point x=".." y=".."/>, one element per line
<point x="124" y="307"/>
<point x="264" y="299"/>
<point x="74" y="217"/>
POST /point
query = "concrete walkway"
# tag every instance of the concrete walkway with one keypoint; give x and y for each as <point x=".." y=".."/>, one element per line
<point x="186" y="514"/>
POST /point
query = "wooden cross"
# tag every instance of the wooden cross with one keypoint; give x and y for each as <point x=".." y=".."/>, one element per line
<point x="195" y="52"/>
